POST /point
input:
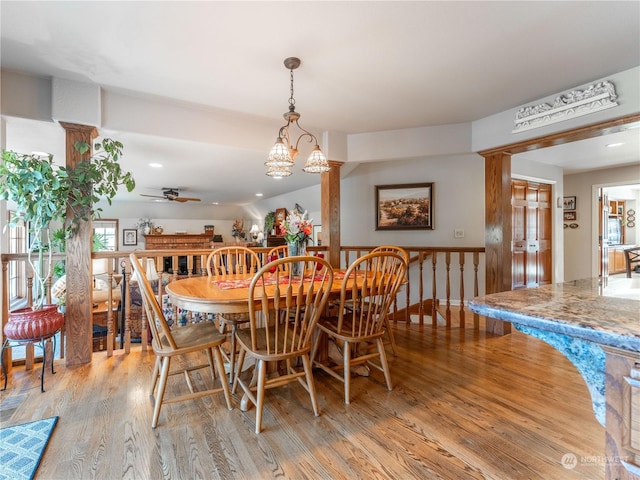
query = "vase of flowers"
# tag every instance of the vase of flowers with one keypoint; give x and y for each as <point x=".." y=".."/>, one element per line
<point x="297" y="231"/>
<point x="144" y="225"/>
<point x="237" y="230"/>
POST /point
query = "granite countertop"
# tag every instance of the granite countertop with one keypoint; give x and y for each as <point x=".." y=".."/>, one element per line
<point x="577" y="309"/>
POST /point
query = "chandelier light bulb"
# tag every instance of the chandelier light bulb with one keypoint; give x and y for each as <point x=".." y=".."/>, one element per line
<point x="278" y="171"/>
<point x="279" y="155"/>
<point x="317" y="162"/>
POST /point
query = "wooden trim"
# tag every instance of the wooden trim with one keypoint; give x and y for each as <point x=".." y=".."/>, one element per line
<point x="497" y="195"/>
<point x="330" y="212"/>
<point x="78" y="319"/>
<point x="567" y="136"/>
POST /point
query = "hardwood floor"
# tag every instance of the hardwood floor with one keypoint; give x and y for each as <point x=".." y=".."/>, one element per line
<point x="465" y="405"/>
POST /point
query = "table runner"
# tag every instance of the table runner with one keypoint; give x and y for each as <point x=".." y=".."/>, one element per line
<point x="268" y="280"/>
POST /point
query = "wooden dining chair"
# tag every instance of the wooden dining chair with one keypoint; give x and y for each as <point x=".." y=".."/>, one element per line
<point x="275" y="253"/>
<point x="369" y="287"/>
<point x="283" y="317"/>
<point x="181" y="341"/>
<point x="222" y="263"/>
<point x="404" y="254"/>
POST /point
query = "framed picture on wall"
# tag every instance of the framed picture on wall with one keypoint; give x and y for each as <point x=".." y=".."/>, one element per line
<point x="404" y="207"/>
<point x="569" y="203"/>
<point x="569" y="215"/>
<point x="129" y="236"/>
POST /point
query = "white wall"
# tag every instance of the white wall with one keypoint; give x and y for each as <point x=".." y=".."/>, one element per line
<point x="581" y="244"/>
<point x="496" y="130"/>
<point x="458" y="201"/>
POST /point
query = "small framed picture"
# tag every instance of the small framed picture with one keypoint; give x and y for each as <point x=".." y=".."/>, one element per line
<point x="569" y="203"/>
<point x="129" y="236"/>
<point x="570" y="215"/>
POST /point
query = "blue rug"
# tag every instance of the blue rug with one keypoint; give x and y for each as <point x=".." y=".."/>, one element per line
<point x="22" y="447"/>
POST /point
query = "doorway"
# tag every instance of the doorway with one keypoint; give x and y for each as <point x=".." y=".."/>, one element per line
<point x="617" y="228"/>
<point x="531" y="204"/>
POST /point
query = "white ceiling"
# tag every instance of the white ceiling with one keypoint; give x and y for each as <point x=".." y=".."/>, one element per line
<point x="367" y="66"/>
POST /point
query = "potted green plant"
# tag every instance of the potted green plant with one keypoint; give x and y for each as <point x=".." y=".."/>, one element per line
<point x="43" y="192"/>
<point x="269" y="222"/>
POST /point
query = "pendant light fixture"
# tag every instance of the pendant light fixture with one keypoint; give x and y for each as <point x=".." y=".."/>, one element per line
<point x="282" y="156"/>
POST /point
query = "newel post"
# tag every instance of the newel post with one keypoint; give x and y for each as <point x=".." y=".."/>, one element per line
<point x="78" y="321"/>
<point x="330" y="212"/>
<point x="497" y="167"/>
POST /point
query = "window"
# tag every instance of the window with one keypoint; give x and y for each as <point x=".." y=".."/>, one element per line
<point x="105" y="233"/>
<point x="17" y="287"/>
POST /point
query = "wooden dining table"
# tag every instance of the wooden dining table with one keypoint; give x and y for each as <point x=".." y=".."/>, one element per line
<point x="227" y="295"/>
<point x="223" y="295"/>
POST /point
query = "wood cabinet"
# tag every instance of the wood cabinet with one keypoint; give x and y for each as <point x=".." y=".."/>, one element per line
<point x="184" y="241"/>
<point x="275" y="240"/>
<point x="617" y="208"/>
<point x="617" y="262"/>
<point x="622" y="448"/>
<point x="175" y="241"/>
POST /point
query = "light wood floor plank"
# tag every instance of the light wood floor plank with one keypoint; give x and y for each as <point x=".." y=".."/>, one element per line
<point x="465" y="405"/>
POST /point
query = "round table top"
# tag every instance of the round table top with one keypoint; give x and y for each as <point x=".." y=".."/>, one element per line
<point x="219" y="295"/>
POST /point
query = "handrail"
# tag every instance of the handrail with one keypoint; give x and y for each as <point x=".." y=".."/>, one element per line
<point x="440" y="270"/>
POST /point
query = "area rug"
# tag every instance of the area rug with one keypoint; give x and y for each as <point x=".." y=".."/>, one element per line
<point x="22" y="447"/>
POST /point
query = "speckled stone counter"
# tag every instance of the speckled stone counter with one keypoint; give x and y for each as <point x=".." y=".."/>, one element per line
<point x="594" y="329"/>
<point x="578" y="309"/>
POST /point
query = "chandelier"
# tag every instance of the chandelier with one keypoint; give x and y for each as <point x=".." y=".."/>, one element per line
<point x="284" y="152"/>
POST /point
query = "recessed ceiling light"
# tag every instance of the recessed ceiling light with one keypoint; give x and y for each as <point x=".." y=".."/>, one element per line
<point x="615" y="144"/>
<point x="214" y="203"/>
<point x="258" y="194"/>
<point x="155" y="165"/>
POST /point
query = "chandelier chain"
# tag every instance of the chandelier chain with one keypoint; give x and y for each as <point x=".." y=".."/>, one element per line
<point x="292" y="101"/>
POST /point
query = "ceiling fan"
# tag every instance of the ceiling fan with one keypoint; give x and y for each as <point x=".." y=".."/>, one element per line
<point x="173" y="195"/>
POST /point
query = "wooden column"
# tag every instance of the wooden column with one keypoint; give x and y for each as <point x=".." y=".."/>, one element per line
<point x="330" y="212"/>
<point x="497" y="178"/>
<point x="78" y="322"/>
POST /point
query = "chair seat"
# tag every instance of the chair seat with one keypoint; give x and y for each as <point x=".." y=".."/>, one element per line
<point x="329" y="325"/>
<point x="192" y="338"/>
<point x="261" y="353"/>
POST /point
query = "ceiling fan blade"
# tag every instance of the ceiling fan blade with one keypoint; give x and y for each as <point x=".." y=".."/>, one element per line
<point x="152" y="196"/>
<point x="186" y="199"/>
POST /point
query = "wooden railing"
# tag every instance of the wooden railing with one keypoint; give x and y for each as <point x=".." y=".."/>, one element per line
<point x="440" y="281"/>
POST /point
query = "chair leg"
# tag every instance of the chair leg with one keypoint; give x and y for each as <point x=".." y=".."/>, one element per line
<point x="164" y="374"/>
<point x="154" y="375"/>
<point x="314" y="345"/>
<point x="384" y="363"/>
<point x="217" y="355"/>
<point x="241" y="356"/>
<point x="262" y="379"/>
<point x="232" y="351"/>
<point x="310" y="384"/>
<point x="209" y="352"/>
<point x="347" y="371"/>
<point x="392" y="336"/>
